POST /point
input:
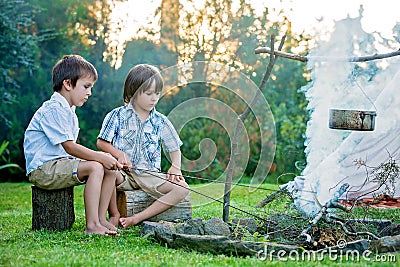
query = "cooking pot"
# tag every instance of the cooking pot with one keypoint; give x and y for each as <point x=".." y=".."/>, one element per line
<point x="356" y="120"/>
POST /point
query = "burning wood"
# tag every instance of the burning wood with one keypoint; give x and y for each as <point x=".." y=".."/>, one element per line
<point x="324" y="211"/>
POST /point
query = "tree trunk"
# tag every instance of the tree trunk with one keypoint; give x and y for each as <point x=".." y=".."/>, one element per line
<point x="52" y="210"/>
<point x="132" y="202"/>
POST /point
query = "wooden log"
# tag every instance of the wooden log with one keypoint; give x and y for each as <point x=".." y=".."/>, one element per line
<point x="386" y="244"/>
<point x="52" y="210"/>
<point x="132" y="202"/>
<point x="217" y="245"/>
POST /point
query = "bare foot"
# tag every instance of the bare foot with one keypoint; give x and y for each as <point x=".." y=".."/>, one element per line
<point x="101" y="230"/>
<point x="109" y="225"/>
<point x="114" y="220"/>
<point x="129" y="221"/>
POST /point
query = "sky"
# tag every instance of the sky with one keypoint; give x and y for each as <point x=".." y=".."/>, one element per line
<point x="379" y="15"/>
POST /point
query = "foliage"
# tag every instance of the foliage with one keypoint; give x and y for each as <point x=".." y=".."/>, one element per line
<point x="4" y="158"/>
<point x="18" y="49"/>
<point x="16" y="44"/>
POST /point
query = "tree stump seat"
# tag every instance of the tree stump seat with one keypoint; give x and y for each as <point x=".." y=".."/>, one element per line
<point x="52" y="210"/>
<point x="134" y="201"/>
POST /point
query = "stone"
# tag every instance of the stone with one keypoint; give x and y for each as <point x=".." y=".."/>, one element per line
<point x="216" y="226"/>
<point x="191" y="227"/>
<point x="248" y="224"/>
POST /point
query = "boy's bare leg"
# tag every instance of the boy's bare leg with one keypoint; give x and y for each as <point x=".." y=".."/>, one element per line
<point x="94" y="173"/>
<point x="113" y="211"/>
<point x="107" y="195"/>
<point x="173" y="195"/>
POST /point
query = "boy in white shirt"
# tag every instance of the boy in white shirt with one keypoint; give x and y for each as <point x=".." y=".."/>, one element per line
<point x="53" y="158"/>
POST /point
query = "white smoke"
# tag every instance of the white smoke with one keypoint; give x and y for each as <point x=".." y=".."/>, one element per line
<point x="337" y="83"/>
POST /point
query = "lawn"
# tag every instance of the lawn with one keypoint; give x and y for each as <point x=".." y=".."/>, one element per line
<point x="20" y="246"/>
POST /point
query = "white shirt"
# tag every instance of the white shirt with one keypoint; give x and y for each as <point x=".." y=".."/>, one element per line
<point x="52" y="124"/>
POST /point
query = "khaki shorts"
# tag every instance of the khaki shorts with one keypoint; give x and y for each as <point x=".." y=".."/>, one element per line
<point x="145" y="181"/>
<point x="56" y="174"/>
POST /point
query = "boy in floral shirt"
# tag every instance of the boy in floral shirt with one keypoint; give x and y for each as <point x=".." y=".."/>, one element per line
<point x="133" y="134"/>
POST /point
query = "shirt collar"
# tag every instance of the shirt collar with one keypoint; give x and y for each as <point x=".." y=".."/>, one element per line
<point x="61" y="99"/>
<point x="130" y="108"/>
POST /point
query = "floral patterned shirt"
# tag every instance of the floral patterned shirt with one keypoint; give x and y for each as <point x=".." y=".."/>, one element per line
<point x="140" y="141"/>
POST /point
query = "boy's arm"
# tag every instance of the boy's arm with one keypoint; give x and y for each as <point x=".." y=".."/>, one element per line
<point x="85" y="153"/>
<point x="174" y="172"/>
<point x="121" y="156"/>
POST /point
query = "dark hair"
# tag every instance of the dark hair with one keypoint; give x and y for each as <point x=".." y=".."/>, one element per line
<point x="139" y="79"/>
<point x="71" y="67"/>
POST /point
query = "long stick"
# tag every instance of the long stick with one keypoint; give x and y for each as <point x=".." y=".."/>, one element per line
<point x="238" y="128"/>
<point x="155" y="174"/>
<point x="205" y="179"/>
<point x="261" y="50"/>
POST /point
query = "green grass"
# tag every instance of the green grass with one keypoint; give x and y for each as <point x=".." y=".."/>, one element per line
<point x="20" y="246"/>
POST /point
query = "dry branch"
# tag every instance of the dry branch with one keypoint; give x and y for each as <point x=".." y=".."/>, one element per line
<point x="261" y="50"/>
<point x="238" y="129"/>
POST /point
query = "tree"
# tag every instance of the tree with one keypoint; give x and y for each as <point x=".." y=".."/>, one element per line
<point x="18" y="49"/>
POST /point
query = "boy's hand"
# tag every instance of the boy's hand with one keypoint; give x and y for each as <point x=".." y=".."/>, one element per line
<point x="109" y="162"/>
<point x="124" y="160"/>
<point x="174" y="174"/>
